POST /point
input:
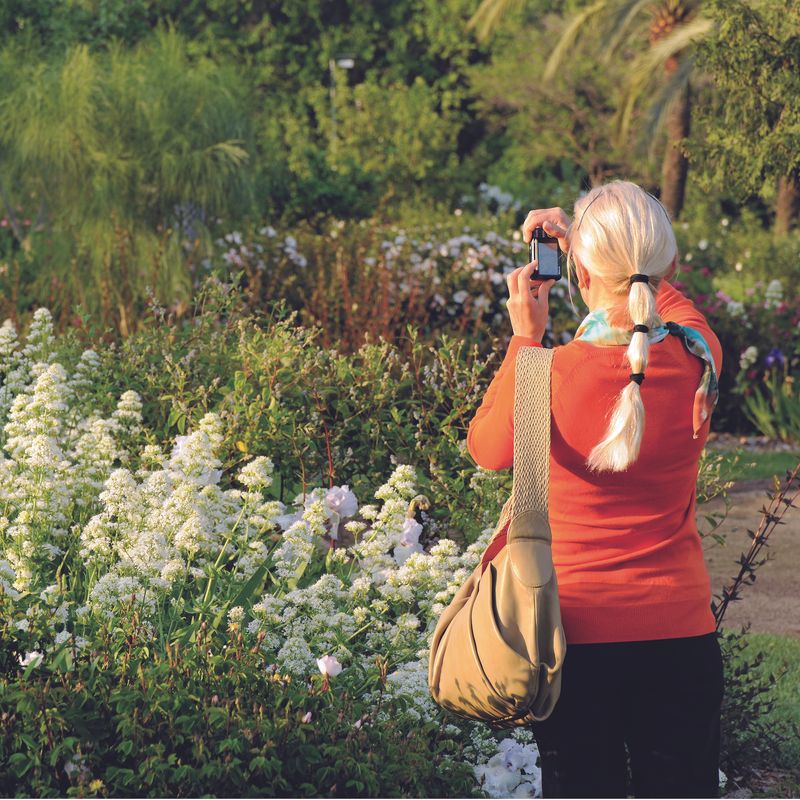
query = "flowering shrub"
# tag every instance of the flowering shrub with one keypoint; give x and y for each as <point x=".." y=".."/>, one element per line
<point x="111" y="543"/>
<point x="360" y="281"/>
<point x="168" y="619"/>
<point x="379" y="280"/>
<point x="760" y="339"/>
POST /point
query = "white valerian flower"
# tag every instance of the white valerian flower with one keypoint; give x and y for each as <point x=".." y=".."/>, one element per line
<point x="329" y="665"/>
<point x="703" y="244"/>
<point x="40" y="340"/>
<point x="8" y="577"/>
<point x="236" y="614"/>
<point x="129" y="410"/>
<point x="257" y="474"/>
<point x="62" y="636"/>
<point x="194" y="456"/>
<point x="295" y="655"/>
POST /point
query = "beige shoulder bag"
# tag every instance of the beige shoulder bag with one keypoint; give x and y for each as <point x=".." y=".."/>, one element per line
<point x="497" y="649"/>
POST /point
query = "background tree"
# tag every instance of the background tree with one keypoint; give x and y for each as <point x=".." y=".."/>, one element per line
<point x="660" y="71"/>
<point x="748" y="129"/>
<point x="545" y="125"/>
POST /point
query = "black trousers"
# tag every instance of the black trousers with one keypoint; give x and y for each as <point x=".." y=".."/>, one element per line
<point x="658" y="698"/>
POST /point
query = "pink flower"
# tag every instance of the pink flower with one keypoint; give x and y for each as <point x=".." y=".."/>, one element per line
<point x="705" y="272"/>
<point x="307" y="716"/>
<point x="329" y="665"/>
<point x="342" y="501"/>
<point x="411" y="531"/>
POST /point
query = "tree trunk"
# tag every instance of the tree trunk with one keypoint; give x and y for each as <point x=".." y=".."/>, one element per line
<point x="675" y="165"/>
<point x="786" y="204"/>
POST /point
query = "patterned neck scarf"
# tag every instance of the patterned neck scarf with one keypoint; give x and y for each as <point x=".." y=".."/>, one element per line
<point x="596" y="328"/>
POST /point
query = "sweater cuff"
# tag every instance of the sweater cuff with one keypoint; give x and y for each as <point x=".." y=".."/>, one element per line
<point x="521" y="341"/>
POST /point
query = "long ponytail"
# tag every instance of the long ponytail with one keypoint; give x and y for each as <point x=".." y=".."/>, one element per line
<point x="626" y="232"/>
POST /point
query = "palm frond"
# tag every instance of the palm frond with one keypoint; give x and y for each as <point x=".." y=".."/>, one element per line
<point x="568" y="38"/>
<point x="644" y="68"/>
<point x="488" y="15"/>
<point x="622" y="23"/>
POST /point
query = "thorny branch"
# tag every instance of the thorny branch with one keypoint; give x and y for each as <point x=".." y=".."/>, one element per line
<point x="771" y="516"/>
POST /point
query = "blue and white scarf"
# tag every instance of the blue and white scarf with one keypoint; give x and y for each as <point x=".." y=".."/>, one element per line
<point x="596" y="328"/>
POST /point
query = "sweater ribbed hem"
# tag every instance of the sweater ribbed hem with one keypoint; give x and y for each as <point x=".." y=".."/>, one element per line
<point x="668" y="620"/>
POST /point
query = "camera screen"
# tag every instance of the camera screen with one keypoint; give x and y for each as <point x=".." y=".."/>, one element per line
<point x="548" y="258"/>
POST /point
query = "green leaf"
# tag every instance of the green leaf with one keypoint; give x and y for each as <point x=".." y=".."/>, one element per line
<point x="251" y="587"/>
<point x="20" y="763"/>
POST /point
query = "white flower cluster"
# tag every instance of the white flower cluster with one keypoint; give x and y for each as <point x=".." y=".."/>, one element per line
<point x="171" y="519"/>
<point x="773" y="294"/>
<point x="748" y="357"/>
<point x="473" y="265"/>
<point x="54" y="459"/>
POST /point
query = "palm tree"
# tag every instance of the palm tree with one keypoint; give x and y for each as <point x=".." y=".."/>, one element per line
<point x="670" y="26"/>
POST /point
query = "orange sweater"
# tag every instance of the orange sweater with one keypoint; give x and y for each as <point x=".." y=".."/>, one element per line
<point x="626" y="548"/>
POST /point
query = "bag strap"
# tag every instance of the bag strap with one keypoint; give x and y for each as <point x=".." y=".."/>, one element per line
<point x="531" y="474"/>
<point x="532" y="406"/>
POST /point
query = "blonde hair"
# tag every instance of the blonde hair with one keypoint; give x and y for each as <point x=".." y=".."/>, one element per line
<point x="625" y="231"/>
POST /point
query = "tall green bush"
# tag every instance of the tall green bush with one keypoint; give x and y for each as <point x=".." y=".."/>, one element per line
<point x="109" y="153"/>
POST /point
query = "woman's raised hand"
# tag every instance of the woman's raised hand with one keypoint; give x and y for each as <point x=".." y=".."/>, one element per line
<point x="554" y="221"/>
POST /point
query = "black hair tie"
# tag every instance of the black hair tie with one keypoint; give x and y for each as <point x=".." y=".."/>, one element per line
<point x="639" y="276"/>
<point x="638" y="377"/>
<point x="642" y="328"/>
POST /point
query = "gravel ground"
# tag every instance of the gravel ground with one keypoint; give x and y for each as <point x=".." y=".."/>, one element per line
<point x="772" y="603"/>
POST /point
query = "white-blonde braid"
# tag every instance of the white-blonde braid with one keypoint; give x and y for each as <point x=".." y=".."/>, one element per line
<point x="626" y="231"/>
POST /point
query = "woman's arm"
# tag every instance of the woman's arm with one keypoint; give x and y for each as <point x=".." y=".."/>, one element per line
<point x="673" y="306"/>
<point x="490" y="438"/>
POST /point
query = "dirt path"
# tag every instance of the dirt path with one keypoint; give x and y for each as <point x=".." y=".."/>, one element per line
<point x="772" y="603"/>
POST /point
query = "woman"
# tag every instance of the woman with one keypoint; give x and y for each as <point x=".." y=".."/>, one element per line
<point x="643" y="668"/>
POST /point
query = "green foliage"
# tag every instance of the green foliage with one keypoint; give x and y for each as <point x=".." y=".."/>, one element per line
<point x="735" y="242"/>
<point x="402" y="135"/>
<point x="738" y="464"/>
<point x="753" y="735"/>
<point x="747" y="133"/>
<point x="211" y="717"/>
<point x="59" y="24"/>
<point x="136" y="138"/>
<point x="338" y="418"/>
<point x="555" y="131"/>
<point x="774" y="406"/>
<point x="781" y="657"/>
